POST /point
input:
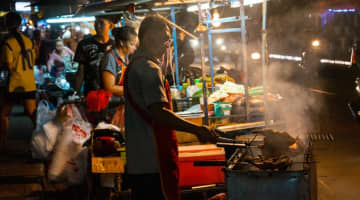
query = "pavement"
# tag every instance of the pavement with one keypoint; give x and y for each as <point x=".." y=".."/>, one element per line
<point x="338" y="161"/>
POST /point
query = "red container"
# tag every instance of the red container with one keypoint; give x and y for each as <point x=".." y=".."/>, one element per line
<point x="195" y="176"/>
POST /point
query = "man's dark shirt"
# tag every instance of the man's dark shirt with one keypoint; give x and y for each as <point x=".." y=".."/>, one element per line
<point x="90" y="53"/>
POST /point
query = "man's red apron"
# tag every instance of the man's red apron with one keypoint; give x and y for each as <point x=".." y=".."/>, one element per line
<point x="166" y="144"/>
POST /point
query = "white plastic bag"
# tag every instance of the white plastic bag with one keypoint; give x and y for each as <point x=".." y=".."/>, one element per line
<point x="75" y="169"/>
<point x="69" y="163"/>
<point x="44" y="113"/>
<point x="44" y="139"/>
<point x="70" y="157"/>
<point x="45" y="135"/>
<point x="81" y="129"/>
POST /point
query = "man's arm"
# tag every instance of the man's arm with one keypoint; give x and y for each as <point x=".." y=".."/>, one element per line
<point x="79" y="77"/>
<point x="161" y="114"/>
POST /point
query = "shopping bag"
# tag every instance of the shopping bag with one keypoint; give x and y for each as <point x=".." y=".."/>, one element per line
<point x="69" y="160"/>
<point x="43" y="140"/>
<point x="44" y="113"/>
<point x="75" y="169"/>
<point x="45" y="135"/>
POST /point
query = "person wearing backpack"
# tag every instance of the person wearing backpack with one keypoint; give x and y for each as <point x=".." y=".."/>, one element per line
<point x="18" y="54"/>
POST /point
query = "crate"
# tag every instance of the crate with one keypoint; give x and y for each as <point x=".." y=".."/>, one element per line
<point x="107" y="165"/>
<point x="180" y="105"/>
<point x="112" y="164"/>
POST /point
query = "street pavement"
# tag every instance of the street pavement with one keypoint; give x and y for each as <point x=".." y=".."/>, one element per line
<point x="338" y="161"/>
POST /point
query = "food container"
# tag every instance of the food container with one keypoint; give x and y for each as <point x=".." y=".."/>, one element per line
<point x="222" y="109"/>
<point x="191" y="175"/>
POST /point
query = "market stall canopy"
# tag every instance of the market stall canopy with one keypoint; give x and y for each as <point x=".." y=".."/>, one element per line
<point x="106" y="7"/>
<point x="53" y="8"/>
<point x="141" y="6"/>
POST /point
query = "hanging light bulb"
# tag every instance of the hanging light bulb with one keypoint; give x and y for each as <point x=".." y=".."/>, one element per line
<point x="216" y="16"/>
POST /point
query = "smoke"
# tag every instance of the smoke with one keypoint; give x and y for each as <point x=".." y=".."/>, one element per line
<point x="289" y="33"/>
<point x="300" y="106"/>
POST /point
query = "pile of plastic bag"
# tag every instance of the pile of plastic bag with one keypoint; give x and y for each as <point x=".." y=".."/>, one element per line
<point x="59" y="139"/>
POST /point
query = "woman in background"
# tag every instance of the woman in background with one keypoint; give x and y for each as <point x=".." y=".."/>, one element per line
<point x="114" y="65"/>
<point x="60" y="59"/>
<point x="116" y="60"/>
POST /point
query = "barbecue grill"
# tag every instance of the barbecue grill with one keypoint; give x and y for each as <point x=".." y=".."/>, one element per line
<point x="249" y="174"/>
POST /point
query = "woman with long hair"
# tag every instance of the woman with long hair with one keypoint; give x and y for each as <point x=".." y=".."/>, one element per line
<point x="18" y="54"/>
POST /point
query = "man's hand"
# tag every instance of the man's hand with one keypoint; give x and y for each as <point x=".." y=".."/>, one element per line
<point x="205" y="135"/>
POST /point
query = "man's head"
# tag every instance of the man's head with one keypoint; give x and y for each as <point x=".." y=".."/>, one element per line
<point x="12" y="21"/>
<point x="103" y="24"/>
<point x="154" y="35"/>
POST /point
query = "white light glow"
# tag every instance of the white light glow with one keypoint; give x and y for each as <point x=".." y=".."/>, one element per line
<point x="77" y="28"/>
<point x="194" y="43"/>
<point x="71" y="19"/>
<point x="235" y="4"/>
<point x="22" y="6"/>
<point x="285" y="57"/>
<point x="216" y="16"/>
<point x="48" y="26"/>
<point x="63" y="26"/>
<point x="67" y="34"/>
<point x="336" y="62"/>
<point x="223" y="48"/>
<point x="195" y="7"/>
<point x="219" y="41"/>
<point x="255" y="56"/>
<point x="86" y="31"/>
<point x="315" y="43"/>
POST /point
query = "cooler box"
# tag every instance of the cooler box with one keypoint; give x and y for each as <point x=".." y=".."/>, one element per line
<point x="204" y="175"/>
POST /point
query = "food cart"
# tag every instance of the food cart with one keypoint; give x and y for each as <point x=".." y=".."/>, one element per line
<point x="220" y="105"/>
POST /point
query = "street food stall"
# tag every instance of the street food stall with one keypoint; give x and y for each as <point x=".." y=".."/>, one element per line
<point x="251" y="161"/>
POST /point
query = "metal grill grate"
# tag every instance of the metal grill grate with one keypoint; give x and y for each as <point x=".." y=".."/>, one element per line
<point x="322" y="137"/>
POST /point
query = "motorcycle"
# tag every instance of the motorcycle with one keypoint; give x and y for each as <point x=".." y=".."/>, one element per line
<point x="107" y="155"/>
<point x="106" y="148"/>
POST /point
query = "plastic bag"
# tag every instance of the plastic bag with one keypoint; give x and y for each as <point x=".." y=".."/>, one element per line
<point x="81" y="129"/>
<point x="70" y="157"/>
<point x="43" y="140"/>
<point x="44" y="113"/>
<point x="69" y="163"/>
<point x="45" y="135"/>
<point x="76" y="168"/>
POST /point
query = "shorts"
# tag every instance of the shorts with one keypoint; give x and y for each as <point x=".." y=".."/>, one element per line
<point x="18" y="97"/>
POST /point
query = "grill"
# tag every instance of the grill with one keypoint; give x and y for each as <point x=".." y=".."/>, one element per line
<point x="250" y="175"/>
